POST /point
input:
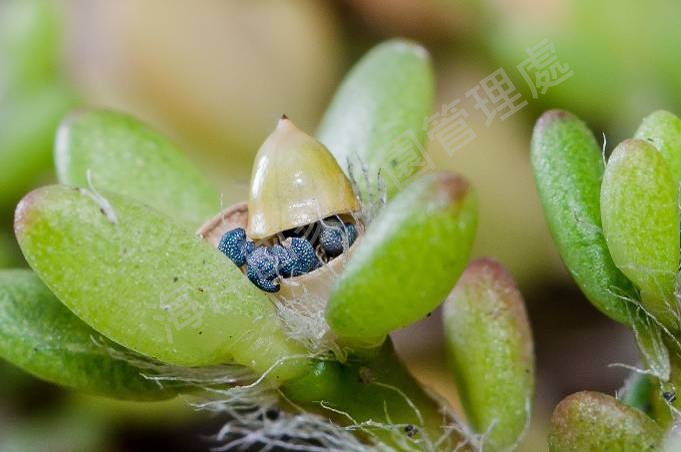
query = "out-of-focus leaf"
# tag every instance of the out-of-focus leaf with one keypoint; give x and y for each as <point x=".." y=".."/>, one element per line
<point x="640" y="215"/>
<point x="382" y="105"/>
<point x="38" y="334"/>
<point x="663" y="129"/>
<point x="70" y="428"/>
<point x="568" y="168"/>
<point x="591" y="421"/>
<point x="28" y="122"/>
<point x="140" y="279"/>
<point x="29" y="44"/>
<point x="124" y="156"/>
<point x="490" y="349"/>
<point x="408" y="260"/>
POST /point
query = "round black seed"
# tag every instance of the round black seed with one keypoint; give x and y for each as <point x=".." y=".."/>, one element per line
<point x="262" y="270"/>
<point x="669" y="396"/>
<point x="336" y="237"/>
<point x="352" y="233"/>
<point x="410" y="430"/>
<point x="235" y="246"/>
<point x="285" y="263"/>
<point x="304" y="258"/>
<point x="332" y="239"/>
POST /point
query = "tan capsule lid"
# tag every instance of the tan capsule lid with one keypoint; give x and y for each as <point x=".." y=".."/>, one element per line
<point x="295" y="181"/>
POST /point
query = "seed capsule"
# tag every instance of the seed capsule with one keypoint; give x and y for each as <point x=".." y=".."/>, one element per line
<point x="296" y="186"/>
<point x="262" y="270"/>
<point x="235" y="246"/>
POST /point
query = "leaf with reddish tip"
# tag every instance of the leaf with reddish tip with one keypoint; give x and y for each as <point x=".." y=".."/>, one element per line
<point x="38" y="334"/>
<point x="383" y="104"/>
<point x="124" y="156"/>
<point x="408" y="260"/>
<point x="568" y="168"/>
<point x="591" y="421"/>
<point x="143" y="281"/>
<point x="663" y="129"/>
<point x="490" y="350"/>
<point x="640" y="214"/>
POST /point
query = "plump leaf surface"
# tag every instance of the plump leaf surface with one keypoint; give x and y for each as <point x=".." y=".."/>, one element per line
<point x="377" y="117"/>
<point x="490" y="350"/>
<point x="408" y="260"/>
<point x="591" y="421"/>
<point x="40" y="335"/>
<point x="137" y="277"/>
<point x="663" y="129"/>
<point x="568" y="168"/>
<point x="639" y="211"/>
<point x="124" y="156"/>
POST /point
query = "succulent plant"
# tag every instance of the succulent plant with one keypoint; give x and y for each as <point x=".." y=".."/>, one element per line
<point x="278" y="310"/>
<point x="616" y="225"/>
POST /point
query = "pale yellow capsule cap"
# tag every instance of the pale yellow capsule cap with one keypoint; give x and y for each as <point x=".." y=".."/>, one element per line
<point x="295" y="181"/>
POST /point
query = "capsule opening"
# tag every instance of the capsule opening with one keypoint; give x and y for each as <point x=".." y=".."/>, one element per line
<point x="293" y="255"/>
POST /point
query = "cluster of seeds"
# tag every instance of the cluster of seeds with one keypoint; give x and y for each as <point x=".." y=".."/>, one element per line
<point x="293" y="253"/>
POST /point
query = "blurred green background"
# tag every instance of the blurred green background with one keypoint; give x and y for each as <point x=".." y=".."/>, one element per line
<point x="215" y="75"/>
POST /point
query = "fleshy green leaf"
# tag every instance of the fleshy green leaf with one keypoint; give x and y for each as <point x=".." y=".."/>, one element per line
<point x="140" y="279"/>
<point x="125" y="156"/>
<point x="490" y="350"/>
<point x="408" y="260"/>
<point x="568" y="168"/>
<point x="38" y="334"/>
<point x="378" y="114"/>
<point x="663" y="129"/>
<point x="641" y="224"/>
<point x="590" y="421"/>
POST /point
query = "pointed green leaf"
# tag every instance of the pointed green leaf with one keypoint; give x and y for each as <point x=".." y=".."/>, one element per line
<point x="568" y="168"/>
<point x="138" y="278"/>
<point x="408" y="260"/>
<point x="382" y="106"/>
<point x="126" y="157"/>
<point x="591" y="421"/>
<point x="639" y="210"/>
<point x="663" y="129"/>
<point x="38" y="334"/>
<point x="490" y="350"/>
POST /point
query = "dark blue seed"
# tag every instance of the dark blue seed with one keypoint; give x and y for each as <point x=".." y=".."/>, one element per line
<point x="331" y="240"/>
<point x="304" y="258"/>
<point x="262" y="270"/>
<point x="336" y="237"/>
<point x="285" y="263"/>
<point x="352" y="233"/>
<point x="235" y="246"/>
